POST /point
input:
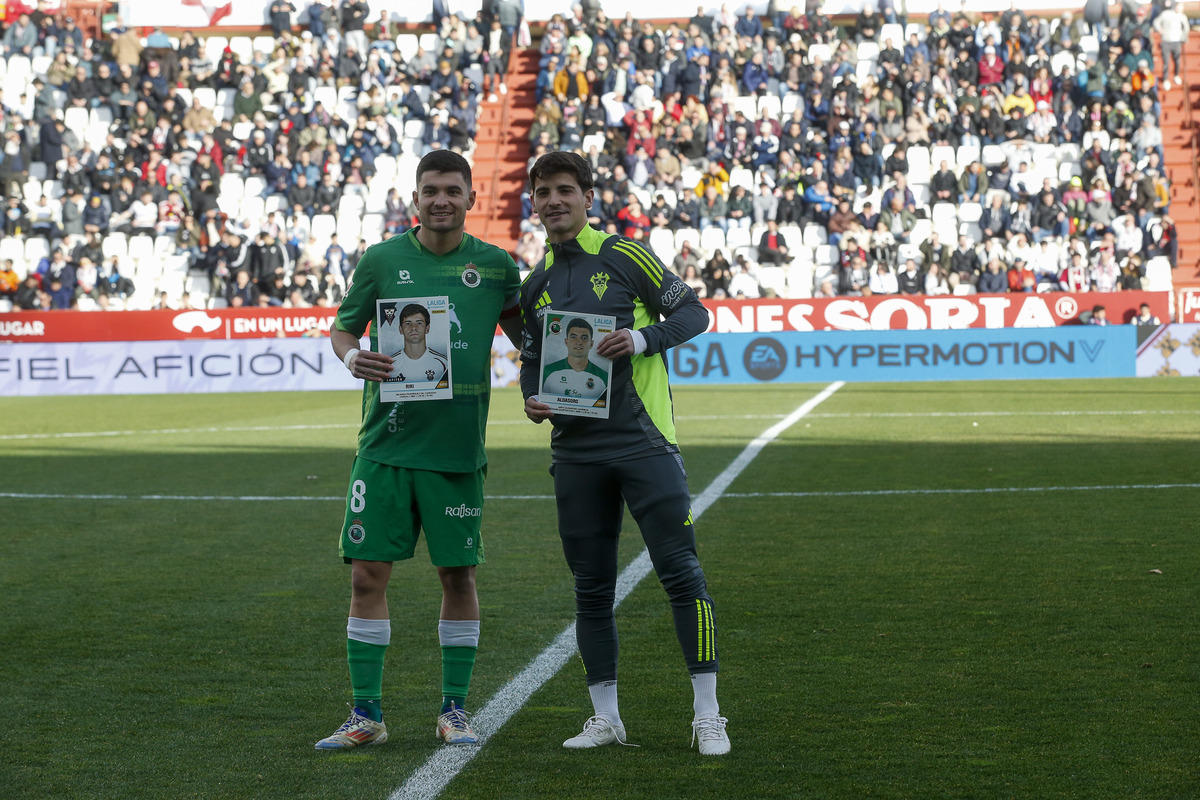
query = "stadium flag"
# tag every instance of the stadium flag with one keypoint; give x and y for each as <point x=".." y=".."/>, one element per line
<point x="216" y="11"/>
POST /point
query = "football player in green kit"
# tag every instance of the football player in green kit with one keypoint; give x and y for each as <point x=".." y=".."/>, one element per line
<point x="420" y="465"/>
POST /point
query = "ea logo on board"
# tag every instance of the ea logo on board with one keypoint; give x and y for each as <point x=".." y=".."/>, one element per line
<point x="765" y="359"/>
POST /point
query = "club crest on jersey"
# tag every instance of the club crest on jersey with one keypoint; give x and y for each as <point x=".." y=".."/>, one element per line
<point x="591" y="383"/>
<point x="600" y="284"/>
<point x="356" y="533"/>
<point x="470" y="276"/>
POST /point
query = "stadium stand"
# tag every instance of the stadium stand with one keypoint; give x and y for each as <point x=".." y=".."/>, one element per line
<point x="1034" y="148"/>
<point x="959" y="141"/>
<point x="140" y="170"/>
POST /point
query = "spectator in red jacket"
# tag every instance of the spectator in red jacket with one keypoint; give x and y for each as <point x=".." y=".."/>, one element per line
<point x="991" y="68"/>
<point x="632" y="218"/>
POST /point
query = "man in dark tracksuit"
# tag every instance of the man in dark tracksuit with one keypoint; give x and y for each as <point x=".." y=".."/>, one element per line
<point x="632" y="457"/>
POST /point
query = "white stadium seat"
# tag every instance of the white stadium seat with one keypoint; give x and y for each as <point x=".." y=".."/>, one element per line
<point x="407" y="44"/>
<point x="970" y="212"/>
<point x="254" y="186"/>
<point x="323" y="225"/>
<point x="264" y="44"/>
<point x="231" y="186"/>
<point x="940" y="153"/>
<point x="35" y="250"/>
<point x="230" y="206"/>
<point x="214" y="47"/>
<point x="774" y="278"/>
<point x="738" y="237"/>
<point x="242" y="47"/>
<point x="966" y="155"/>
<point x="894" y="32"/>
<point x="800" y="280"/>
<point x="662" y="242"/>
<point x="1158" y="274"/>
<point x="206" y="96"/>
<point x="819" y="50"/>
<point x="825" y="255"/>
<point x="689" y="235"/>
<point x="867" y="51"/>
<point x="740" y="176"/>
<point x="771" y="105"/>
<point x="252" y="209"/>
<point x="712" y="239"/>
<point x="141" y="247"/>
<point x="13" y="248"/>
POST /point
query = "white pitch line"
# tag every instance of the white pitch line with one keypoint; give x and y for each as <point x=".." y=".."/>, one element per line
<point x="168" y="431"/>
<point x="14" y="437"/>
<point x="936" y="414"/>
<point x="985" y="490"/>
<point x="525" y="497"/>
<point x="11" y="437"/>
<point x="245" y="498"/>
<point x="441" y="767"/>
<point x="693" y="417"/>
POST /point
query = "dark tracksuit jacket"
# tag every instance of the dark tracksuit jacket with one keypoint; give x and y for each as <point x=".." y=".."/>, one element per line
<point x="600" y="273"/>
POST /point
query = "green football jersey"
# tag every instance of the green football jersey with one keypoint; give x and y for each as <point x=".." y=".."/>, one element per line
<point x="480" y="280"/>
<point x="563" y="379"/>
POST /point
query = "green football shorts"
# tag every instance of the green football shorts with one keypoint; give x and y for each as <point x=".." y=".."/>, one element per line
<point x="387" y="507"/>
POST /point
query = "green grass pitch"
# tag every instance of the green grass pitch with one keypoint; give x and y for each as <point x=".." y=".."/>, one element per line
<point x="890" y="625"/>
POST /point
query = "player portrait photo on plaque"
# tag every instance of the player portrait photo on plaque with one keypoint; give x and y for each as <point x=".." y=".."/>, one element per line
<point x="574" y="379"/>
<point x="415" y="332"/>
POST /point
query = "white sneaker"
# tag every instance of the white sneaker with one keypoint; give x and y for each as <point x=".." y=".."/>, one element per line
<point x="1178" y="80"/>
<point x="452" y="728"/>
<point x="503" y="89"/>
<point x="492" y="97"/>
<point x="714" y="741"/>
<point x="597" y="732"/>
<point x="356" y="731"/>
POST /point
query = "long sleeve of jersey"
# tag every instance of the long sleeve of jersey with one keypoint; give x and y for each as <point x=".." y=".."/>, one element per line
<point x="598" y="273"/>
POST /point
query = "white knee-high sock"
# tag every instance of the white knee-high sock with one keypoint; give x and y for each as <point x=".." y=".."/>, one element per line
<point x="604" y="700"/>
<point x="704" y="689"/>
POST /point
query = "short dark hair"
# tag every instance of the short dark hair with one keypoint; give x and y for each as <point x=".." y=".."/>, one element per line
<point x="560" y="162"/>
<point x="579" y="323"/>
<point x="414" y="308"/>
<point x="444" y="161"/>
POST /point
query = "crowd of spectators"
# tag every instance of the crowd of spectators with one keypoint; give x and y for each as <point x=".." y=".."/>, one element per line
<point x="786" y="155"/>
<point x="163" y="171"/>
